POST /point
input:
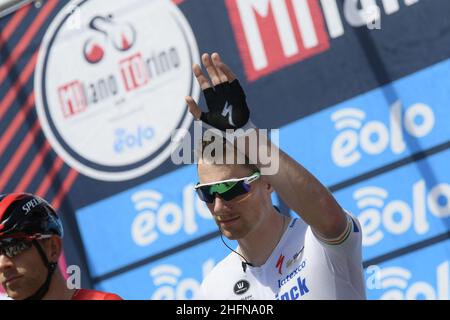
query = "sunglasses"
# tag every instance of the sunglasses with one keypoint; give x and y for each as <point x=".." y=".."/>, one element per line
<point x="12" y="247"/>
<point x="226" y="189"/>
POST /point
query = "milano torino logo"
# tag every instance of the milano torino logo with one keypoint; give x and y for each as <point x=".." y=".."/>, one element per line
<point x="127" y="69"/>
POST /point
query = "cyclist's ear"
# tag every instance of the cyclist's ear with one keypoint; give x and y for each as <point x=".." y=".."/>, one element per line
<point x="55" y="248"/>
<point x="266" y="184"/>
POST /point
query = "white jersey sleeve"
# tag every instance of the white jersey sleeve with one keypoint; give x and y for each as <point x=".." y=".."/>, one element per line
<point x="350" y="240"/>
<point x="343" y="255"/>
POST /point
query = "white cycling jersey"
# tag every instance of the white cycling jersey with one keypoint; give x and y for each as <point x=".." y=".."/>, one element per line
<point x="302" y="266"/>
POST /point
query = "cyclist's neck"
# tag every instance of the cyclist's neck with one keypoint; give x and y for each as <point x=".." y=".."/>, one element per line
<point x="58" y="289"/>
<point x="259" y="244"/>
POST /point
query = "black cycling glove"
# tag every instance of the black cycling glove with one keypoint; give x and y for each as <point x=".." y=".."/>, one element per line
<point x="227" y="106"/>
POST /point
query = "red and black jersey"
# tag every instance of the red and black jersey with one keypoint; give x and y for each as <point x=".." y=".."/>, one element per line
<point x="84" y="294"/>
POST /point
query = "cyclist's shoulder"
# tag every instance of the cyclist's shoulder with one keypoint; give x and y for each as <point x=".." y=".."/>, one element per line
<point x="296" y="229"/>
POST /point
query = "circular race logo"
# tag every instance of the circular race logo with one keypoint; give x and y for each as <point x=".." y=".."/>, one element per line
<point x="110" y="83"/>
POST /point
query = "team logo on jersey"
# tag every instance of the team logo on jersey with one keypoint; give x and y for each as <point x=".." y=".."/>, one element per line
<point x="241" y="287"/>
<point x="298" y="290"/>
<point x="294" y="258"/>
<point x="279" y="264"/>
<point x="292" y="274"/>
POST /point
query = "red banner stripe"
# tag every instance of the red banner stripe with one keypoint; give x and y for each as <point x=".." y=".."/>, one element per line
<point x="9" y="29"/>
<point x="24" y="42"/>
<point x="17" y="122"/>
<point x="33" y="168"/>
<point x="18" y="156"/>
<point x="65" y="188"/>
<point x="62" y="264"/>
<point x="12" y="93"/>
<point x="48" y="180"/>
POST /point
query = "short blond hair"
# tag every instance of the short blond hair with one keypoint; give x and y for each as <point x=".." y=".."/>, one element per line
<point x="226" y="149"/>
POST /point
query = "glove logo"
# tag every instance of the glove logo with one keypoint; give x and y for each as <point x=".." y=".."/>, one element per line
<point x="226" y="99"/>
<point x="228" y="110"/>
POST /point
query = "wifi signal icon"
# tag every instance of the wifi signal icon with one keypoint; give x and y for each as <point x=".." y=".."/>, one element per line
<point x="165" y="277"/>
<point x="348" y="118"/>
<point x="394" y="277"/>
<point x="165" y="274"/>
<point x="370" y="197"/>
<point x="146" y="199"/>
<point x="145" y="202"/>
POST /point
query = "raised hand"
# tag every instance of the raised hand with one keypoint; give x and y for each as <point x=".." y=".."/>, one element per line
<point x="225" y="98"/>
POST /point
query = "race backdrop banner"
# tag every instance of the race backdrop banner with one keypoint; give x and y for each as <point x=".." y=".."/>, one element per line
<point x="91" y="92"/>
